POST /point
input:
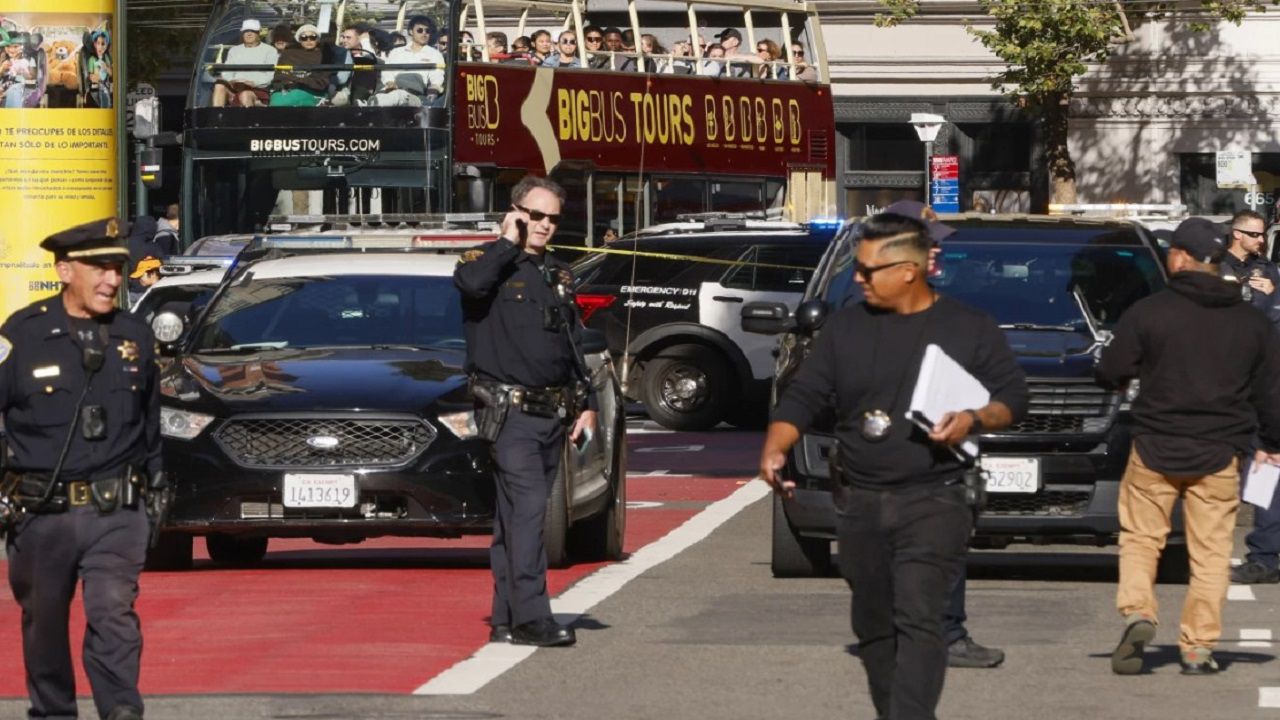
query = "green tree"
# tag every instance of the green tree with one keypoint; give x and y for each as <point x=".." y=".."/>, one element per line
<point x="160" y="35"/>
<point x="1047" y="44"/>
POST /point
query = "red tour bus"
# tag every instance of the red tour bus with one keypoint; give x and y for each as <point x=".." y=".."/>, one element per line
<point x="406" y="109"/>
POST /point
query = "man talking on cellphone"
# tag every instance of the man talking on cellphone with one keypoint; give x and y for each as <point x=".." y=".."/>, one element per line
<point x="530" y="382"/>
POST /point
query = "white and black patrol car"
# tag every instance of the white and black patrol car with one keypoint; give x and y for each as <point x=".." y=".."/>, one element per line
<point x="319" y="392"/>
<point x="671" y="302"/>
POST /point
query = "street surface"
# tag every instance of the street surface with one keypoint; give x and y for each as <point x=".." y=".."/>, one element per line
<point x="691" y="626"/>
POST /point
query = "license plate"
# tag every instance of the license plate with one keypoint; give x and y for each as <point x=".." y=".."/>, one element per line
<point x="319" y="490"/>
<point x="1012" y="475"/>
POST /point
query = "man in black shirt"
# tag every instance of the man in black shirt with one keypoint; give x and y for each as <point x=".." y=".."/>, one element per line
<point x="1209" y="372"/>
<point x="1243" y="263"/>
<point x="522" y="354"/>
<point x="903" y="520"/>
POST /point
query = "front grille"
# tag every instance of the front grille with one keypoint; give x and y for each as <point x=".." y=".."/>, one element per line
<point x="1045" y="502"/>
<point x="274" y="442"/>
<point x="1062" y="406"/>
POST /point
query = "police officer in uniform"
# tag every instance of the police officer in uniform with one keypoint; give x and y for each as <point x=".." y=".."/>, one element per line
<point x="523" y="357"/>
<point x="81" y="406"/>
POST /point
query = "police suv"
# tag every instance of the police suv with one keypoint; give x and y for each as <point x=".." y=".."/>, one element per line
<point x="320" y="393"/>
<point x="668" y="300"/>
<point x="1057" y="286"/>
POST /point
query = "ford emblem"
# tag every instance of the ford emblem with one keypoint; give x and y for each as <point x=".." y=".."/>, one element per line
<point x="323" y="442"/>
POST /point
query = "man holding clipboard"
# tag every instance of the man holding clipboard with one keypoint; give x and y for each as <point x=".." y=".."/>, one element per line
<point x="902" y="515"/>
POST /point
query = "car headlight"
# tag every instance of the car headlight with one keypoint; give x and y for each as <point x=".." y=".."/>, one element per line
<point x="181" y="424"/>
<point x="461" y="424"/>
<point x="167" y="327"/>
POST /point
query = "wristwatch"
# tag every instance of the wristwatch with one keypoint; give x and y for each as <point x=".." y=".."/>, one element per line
<point x="977" y="422"/>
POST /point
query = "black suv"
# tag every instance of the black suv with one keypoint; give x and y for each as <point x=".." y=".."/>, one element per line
<point x="1056" y="286"/>
<point x="691" y="364"/>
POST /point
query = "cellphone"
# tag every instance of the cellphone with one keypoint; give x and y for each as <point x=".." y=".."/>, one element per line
<point x="584" y="437"/>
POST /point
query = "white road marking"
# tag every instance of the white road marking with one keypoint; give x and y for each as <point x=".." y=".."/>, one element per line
<point x="642" y="505"/>
<point x="1255" y="637"/>
<point x="1269" y="697"/>
<point x="671" y="449"/>
<point x="658" y="473"/>
<point x="648" y="431"/>
<point x="494" y="659"/>
<point x="1240" y="592"/>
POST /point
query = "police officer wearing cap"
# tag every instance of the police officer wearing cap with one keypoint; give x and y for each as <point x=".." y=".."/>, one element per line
<point x="523" y="357"/>
<point x="81" y="406"/>
<point x="1208" y="365"/>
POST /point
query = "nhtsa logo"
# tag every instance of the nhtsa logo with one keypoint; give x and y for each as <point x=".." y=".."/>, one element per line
<point x="315" y="146"/>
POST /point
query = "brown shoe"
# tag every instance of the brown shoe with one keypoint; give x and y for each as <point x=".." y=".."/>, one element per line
<point x="1126" y="659"/>
<point x="1199" y="661"/>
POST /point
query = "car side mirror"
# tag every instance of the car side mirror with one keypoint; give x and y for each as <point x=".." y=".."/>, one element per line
<point x="810" y="315"/>
<point x="766" y="318"/>
<point x="593" y="341"/>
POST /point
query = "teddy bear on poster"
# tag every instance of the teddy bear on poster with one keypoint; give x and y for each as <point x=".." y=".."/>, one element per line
<point x="64" y="73"/>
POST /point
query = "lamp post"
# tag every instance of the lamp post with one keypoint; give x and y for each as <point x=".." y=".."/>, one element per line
<point x="927" y="126"/>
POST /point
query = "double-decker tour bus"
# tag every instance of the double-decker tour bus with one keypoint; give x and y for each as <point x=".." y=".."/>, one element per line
<point x="407" y="108"/>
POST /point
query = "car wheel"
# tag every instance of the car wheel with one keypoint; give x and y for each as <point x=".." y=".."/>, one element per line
<point x="686" y="387"/>
<point x="1174" y="567"/>
<point x="793" y="554"/>
<point x="555" y="527"/>
<point x="232" y="550"/>
<point x="600" y="537"/>
<point x="173" y="551"/>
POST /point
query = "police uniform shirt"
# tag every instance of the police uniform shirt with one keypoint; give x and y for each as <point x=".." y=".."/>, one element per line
<point x="1250" y="267"/>
<point x="42" y="374"/>
<point x="868" y="359"/>
<point x="505" y="297"/>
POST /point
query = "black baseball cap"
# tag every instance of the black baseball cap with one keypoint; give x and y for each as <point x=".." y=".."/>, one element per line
<point x="917" y="210"/>
<point x="1204" y="240"/>
<point x="729" y="33"/>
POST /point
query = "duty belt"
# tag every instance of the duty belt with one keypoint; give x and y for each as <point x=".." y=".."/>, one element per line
<point x="547" y="401"/>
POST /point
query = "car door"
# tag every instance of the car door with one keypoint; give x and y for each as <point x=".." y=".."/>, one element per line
<point x="771" y="272"/>
<point x="588" y="463"/>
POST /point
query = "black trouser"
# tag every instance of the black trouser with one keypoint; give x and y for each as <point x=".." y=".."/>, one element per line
<point x="901" y="552"/>
<point x="48" y="556"/>
<point x="527" y="454"/>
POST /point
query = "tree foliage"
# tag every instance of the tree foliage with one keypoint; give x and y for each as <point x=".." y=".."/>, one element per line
<point x="1047" y="44"/>
<point x="158" y="38"/>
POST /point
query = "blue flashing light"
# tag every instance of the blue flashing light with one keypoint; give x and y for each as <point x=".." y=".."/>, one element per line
<point x="833" y="223"/>
<point x="303" y="242"/>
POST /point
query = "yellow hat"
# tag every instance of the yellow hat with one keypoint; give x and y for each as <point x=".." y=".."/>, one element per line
<point x="145" y="265"/>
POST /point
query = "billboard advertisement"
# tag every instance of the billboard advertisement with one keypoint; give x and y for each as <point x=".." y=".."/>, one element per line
<point x="57" y="133"/>
<point x="540" y="117"/>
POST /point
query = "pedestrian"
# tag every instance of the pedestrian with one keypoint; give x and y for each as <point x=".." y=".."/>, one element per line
<point x="904" y="512"/>
<point x="167" y="238"/>
<point x="142" y="244"/>
<point x="524" y="361"/>
<point x="147" y="273"/>
<point x="962" y="650"/>
<point x="81" y="406"/>
<point x="1244" y="263"/>
<point x="1208" y="368"/>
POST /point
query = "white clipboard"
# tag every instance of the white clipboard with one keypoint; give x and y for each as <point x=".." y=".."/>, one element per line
<point x="944" y="386"/>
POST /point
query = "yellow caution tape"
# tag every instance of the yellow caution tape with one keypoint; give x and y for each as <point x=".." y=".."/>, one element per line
<point x="679" y="258"/>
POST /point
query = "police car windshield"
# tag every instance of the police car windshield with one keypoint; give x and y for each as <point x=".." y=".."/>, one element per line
<point x="1032" y="285"/>
<point x="334" y="311"/>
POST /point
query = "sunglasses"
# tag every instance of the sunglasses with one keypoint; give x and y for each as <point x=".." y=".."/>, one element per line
<point x="866" y="271"/>
<point x="421" y="31"/>
<point x="594" y="38"/>
<point x="567" y="41"/>
<point x="539" y="216"/>
<point x="1250" y="233"/>
<point x="798" y="52"/>
<point x="305" y="38"/>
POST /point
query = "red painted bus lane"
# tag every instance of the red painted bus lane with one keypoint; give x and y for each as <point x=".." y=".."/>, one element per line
<point x="380" y="617"/>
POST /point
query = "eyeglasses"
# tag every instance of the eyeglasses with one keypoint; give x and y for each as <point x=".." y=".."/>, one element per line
<point x="1250" y="233"/>
<point x="569" y="41"/>
<point x="539" y="216"/>
<point x="866" y="271"/>
<point x="421" y="30"/>
<point x="305" y="38"/>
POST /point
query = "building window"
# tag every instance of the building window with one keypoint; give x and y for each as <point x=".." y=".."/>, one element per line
<point x="997" y="147"/>
<point x="1198" y="183"/>
<point x="885" y="146"/>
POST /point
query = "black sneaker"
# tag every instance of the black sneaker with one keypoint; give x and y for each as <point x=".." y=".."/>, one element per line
<point x="1254" y="573"/>
<point x="965" y="653"/>
<point x="1199" y="661"/>
<point x="1126" y="659"/>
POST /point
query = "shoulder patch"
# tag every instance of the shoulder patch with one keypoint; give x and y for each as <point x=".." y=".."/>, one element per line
<point x="470" y="256"/>
<point x="6" y="347"/>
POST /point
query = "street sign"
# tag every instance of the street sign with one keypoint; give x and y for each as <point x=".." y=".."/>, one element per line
<point x="944" y="186"/>
<point x="143" y="91"/>
<point x="1235" y="169"/>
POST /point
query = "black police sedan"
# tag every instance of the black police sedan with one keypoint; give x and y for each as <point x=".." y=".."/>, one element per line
<point x="322" y="396"/>
<point x="1057" y="286"/>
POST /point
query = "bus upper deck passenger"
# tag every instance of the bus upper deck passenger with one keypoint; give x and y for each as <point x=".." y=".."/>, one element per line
<point x="411" y="87"/>
<point x="246" y="88"/>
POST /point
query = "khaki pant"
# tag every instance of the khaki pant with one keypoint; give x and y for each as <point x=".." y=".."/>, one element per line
<point x="1209" y="506"/>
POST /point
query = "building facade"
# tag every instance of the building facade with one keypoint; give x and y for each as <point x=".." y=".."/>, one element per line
<point x="1145" y="125"/>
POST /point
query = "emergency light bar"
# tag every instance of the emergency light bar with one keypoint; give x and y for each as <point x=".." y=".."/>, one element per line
<point x="1169" y="209"/>
<point x="187" y="264"/>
